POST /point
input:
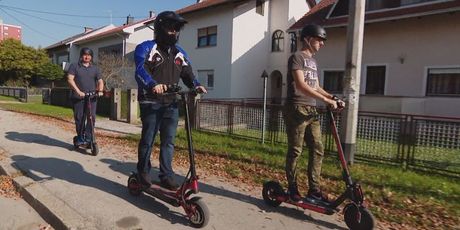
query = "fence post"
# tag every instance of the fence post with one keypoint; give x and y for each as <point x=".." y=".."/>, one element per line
<point x="132" y="106"/>
<point x="115" y="104"/>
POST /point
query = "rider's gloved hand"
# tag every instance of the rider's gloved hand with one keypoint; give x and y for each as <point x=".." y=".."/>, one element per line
<point x="159" y="89"/>
<point x="201" y="89"/>
<point x="340" y="103"/>
<point x="100" y="93"/>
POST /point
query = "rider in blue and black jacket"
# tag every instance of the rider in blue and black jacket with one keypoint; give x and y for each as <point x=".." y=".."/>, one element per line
<point x="159" y="63"/>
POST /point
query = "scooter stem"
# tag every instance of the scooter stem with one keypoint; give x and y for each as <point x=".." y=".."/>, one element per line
<point x="343" y="162"/>
<point x="189" y="136"/>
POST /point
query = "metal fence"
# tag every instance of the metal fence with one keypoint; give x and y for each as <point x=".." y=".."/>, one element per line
<point x="414" y="142"/>
<point x="17" y="92"/>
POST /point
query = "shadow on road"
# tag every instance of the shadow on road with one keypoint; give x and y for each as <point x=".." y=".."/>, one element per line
<point x="127" y="167"/>
<point x="37" y="138"/>
<point x="74" y="173"/>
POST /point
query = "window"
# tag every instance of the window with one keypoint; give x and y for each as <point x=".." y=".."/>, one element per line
<point x="293" y="42"/>
<point x="443" y="82"/>
<point x="375" y="80"/>
<point x="207" y="36"/>
<point x="333" y="81"/>
<point x="278" y="41"/>
<point x="260" y="6"/>
<point x="206" y="78"/>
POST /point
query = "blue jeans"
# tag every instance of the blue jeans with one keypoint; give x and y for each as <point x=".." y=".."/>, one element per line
<point x="163" y="118"/>
<point x="79" y="114"/>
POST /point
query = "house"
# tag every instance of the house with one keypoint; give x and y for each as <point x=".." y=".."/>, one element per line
<point x="60" y="52"/>
<point x="410" y="61"/>
<point x="119" y="41"/>
<point x="231" y="43"/>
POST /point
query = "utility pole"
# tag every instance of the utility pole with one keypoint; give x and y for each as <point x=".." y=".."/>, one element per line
<point x="355" y="32"/>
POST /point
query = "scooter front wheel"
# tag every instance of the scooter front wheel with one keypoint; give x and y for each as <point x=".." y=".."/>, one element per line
<point x="271" y="191"/>
<point x="134" y="186"/>
<point x="94" y="149"/>
<point x="199" y="212"/>
<point x="358" y="217"/>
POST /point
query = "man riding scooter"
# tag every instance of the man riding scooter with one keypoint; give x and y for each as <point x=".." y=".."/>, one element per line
<point x="159" y="63"/>
<point x="84" y="77"/>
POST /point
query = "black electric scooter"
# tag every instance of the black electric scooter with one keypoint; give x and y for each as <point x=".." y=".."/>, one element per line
<point x="196" y="210"/>
<point x="92" y="144"/>
<point x="356" y="215"/>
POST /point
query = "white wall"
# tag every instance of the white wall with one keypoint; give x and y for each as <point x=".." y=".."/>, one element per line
<point x="251" y="45"/>
<point x="217" y="57"/>
<point x="421" y="42"/>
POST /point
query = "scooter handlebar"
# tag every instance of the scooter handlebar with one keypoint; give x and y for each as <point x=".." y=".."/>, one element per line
<point x="176" y="89"/>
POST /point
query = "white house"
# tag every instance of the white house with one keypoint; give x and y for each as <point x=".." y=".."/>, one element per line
<point x="410" y="61"/>
<point x="60" y="52"/>
<point x="232" y="42"/>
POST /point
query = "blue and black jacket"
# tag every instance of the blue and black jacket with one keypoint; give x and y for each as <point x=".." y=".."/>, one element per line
<point x="161" y="66"/>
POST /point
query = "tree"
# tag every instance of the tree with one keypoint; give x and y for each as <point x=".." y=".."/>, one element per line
<point x="18" y="63"/>
<point x="50" y="71"/>
<point x="114" y="69"/>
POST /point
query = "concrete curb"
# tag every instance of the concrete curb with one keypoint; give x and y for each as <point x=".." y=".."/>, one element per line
<point x="53" y="210"/>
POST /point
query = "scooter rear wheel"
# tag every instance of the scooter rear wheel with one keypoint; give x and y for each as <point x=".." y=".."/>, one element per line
<point x="270" y="191"/>
<point x="133" y="186"/>
<point x="358" y="217"/>
<point x="200" y="216"/>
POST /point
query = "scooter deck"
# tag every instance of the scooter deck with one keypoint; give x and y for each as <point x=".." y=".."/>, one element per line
<point x="169" y="196"/>
<point x="321" y="207"/>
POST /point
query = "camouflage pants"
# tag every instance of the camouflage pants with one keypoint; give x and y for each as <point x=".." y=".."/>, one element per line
<point x="302" y="126"/>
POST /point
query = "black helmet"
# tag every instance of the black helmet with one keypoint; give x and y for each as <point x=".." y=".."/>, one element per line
<point x="86" y="50"/>
<point x="163" y="22"/>
<point x="313" y="30"/>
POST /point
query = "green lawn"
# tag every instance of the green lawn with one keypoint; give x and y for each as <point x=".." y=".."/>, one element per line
<point x="7" y="98"/>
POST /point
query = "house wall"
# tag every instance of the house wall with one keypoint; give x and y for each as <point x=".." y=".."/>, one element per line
<point x="407" y="47"/>
<point x="251" y="47"/>
<point x="140" y="35"/>
<point x="282" y="16"/>
<point x="217" y="57"/>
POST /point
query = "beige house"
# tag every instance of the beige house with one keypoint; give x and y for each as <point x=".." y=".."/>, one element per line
<point x="410" y="61"/>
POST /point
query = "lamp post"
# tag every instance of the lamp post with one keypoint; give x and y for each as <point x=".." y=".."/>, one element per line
<point x="264" y="114"/>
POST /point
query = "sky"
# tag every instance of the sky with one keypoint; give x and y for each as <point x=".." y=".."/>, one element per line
<point x="45" y="22"/>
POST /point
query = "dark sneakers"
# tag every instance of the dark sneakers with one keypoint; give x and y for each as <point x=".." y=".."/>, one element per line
<point x="316" y="196"/>
<point x="294" y="194"/>
<point x="168" y="183"/>
<point x="144" y="180"/>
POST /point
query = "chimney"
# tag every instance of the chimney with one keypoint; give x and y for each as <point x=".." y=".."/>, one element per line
<point x="129" y="20"/>
<point x="152" y="14"/>
<point x="88" y="29"/>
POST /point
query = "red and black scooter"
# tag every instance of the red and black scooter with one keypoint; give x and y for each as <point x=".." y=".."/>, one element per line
<point x="91" y="144"/>
<point x="196" y="210"/>
<point x="356" y="215"/>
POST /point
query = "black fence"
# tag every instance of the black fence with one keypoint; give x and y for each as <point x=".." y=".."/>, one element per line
<point x="414" y="142"/>
<point x="61" y="97"/>
<point x="17" y="92"/>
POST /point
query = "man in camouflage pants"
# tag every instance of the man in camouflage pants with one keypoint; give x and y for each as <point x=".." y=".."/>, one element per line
<point x="300" y="114"/>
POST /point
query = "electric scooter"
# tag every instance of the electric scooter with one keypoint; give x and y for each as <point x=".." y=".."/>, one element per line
<point x="196" y="210"/>
<point x="92" y="144"/>
<point x="356" y="215"/>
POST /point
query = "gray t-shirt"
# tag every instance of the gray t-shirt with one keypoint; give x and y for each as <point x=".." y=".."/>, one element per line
<point x="85" y="77"/>
<point x="300" y="61"/>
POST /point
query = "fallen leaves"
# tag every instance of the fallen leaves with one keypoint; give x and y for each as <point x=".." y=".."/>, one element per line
<point x="7" y="188"/>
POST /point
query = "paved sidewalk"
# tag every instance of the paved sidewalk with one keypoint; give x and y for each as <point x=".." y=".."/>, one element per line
<point x="72" y="190"/>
